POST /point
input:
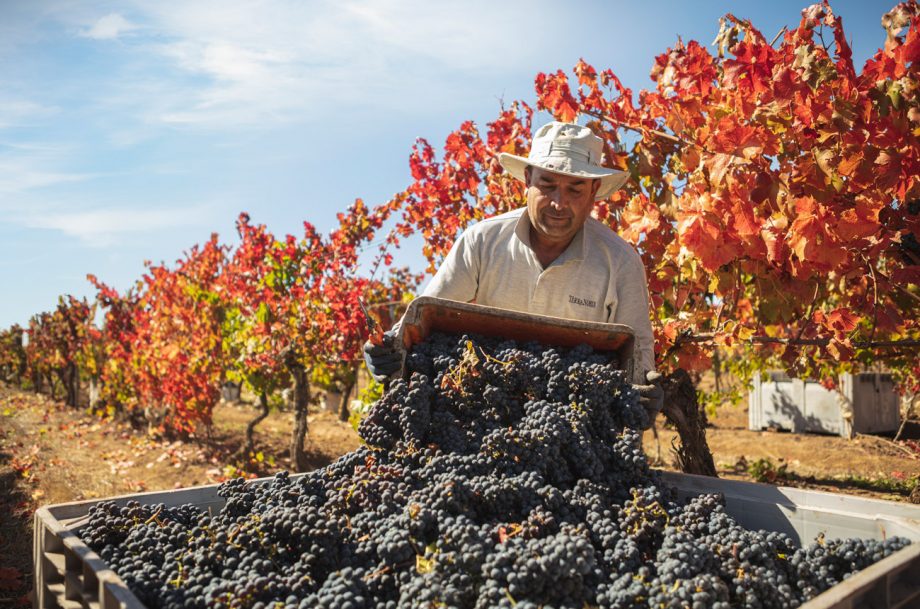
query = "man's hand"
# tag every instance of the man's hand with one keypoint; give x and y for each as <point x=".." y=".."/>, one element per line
<point x="651" y="396"/>
<point x="384" y="359"/>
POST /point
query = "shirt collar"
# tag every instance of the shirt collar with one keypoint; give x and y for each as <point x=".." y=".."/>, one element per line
<point x="575" y="250"/>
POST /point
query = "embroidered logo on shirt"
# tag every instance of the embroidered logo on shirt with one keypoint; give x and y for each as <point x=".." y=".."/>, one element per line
<point x="582" y="302"/>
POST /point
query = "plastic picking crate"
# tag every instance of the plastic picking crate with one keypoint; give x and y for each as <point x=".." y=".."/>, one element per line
<point x="427" y="314"/>
<point x="68" y="575"/>
<point x="865" y="403"/>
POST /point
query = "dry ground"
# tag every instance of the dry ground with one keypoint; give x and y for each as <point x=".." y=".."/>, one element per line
<point x="50" y="454"/>
<point x="866" y="465"/>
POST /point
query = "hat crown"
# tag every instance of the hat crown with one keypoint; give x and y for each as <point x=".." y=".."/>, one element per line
<point x="567" y="140"/>
<point x="567" y="149"/>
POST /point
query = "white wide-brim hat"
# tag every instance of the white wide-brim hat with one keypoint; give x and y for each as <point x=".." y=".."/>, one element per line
<point x="568" y="149"/>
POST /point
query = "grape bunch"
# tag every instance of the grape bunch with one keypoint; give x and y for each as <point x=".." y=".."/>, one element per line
<point x="495" y="474"/>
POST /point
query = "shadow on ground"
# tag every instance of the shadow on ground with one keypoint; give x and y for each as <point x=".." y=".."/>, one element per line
<point x="16" y="507"/>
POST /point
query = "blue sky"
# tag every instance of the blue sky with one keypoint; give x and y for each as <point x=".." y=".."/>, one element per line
<point x="131" y="130"/>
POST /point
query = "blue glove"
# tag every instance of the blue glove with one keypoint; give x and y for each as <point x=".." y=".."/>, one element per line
<point x="385" y="359"/>
<point x="651" y="396"/>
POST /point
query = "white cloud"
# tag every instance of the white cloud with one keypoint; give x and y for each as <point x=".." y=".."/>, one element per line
<point x="26" y="167"/>
<point x="34" y="193"/>
<point x="105" y="226"/>
<point x="225" y="61"/>
<point x="225" y="64"/>
<point x="109" y="27"/>
<point x="15" y="112"/>
<point x="13" y="180"/>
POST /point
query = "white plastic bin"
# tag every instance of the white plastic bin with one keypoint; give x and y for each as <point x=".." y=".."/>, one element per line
<point x="864" y="403"/>
<point x="68" y="575"/>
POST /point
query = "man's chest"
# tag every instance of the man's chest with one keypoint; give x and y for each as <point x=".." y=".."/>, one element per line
<point x="573" y="290"/>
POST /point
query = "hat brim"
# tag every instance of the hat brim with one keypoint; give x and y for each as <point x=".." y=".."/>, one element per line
<point x="611" y="179"/>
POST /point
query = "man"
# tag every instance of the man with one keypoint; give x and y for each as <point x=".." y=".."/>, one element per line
<point x="551" y="257"/>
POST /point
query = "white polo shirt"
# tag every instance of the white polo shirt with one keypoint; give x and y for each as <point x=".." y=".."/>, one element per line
<point x="599" y="277"/>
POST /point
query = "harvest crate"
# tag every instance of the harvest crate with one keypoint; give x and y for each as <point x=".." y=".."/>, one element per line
<point x="68" y="575"/>
<point x="427" y="314"/>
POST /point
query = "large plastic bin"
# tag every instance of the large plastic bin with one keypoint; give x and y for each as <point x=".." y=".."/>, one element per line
<point x="865" y="402"/>
<point x="68" y="575"/>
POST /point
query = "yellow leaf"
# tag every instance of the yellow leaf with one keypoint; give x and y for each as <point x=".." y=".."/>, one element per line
<point x="714" y="282"/>
<point x="744" y="333"/>
<point x="772" y="331"/>
<point x="423" y="565"/>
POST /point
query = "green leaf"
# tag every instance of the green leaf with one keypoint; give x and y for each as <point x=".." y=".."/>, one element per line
<point x="263" y="314"/>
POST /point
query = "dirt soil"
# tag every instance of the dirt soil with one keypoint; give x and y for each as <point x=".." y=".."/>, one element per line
<point x="50" y="454"/>
<point x="867" y="465"/>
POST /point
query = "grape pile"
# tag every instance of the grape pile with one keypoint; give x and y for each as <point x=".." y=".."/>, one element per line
<point x="497" y="474"/>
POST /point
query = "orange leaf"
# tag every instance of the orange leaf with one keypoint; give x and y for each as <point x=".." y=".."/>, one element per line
<point x="840" y="350"/>
<point x="842" y="320"/>
<point x="587" y="75"/>
<point x="670" y="331"/>
<point x="707" y="240"/>
<point x="690" y="158"/>
<point x="816" y="249"/>
<point x="744" y="220"/>
<point x="567" y="111"/>
<point x="859" y="222"/>
<point x="776" y="244"/>
<point x="849" y="164"/>
<point x="718" y="165"/>
<point x="692" y="358"/>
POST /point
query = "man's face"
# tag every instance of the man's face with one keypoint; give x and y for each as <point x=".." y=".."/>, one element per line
<point x="557" y="204"/>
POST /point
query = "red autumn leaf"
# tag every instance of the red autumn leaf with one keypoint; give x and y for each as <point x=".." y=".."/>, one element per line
<point x="696" y="71"/>
<point x="776" y="246"/>
<point x="840" y="350"/>
<point x="859" y="222"/>
<point x="842" y="320"/>
<point x="744" y="221"/>
<point x="752" y="70"/>
<point x="816" y="249"/>
<point x="848" y="164"/>
<point x="785" y="86"/>
<point x="586" y="73"/>
<point x="707" y="240"/>
<point x="692" y="358"/>
<point x="719" y="164"/>
<point x="690" y="158"/>
<point x="555" y="95"/>
<point x="741" y="141"/>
